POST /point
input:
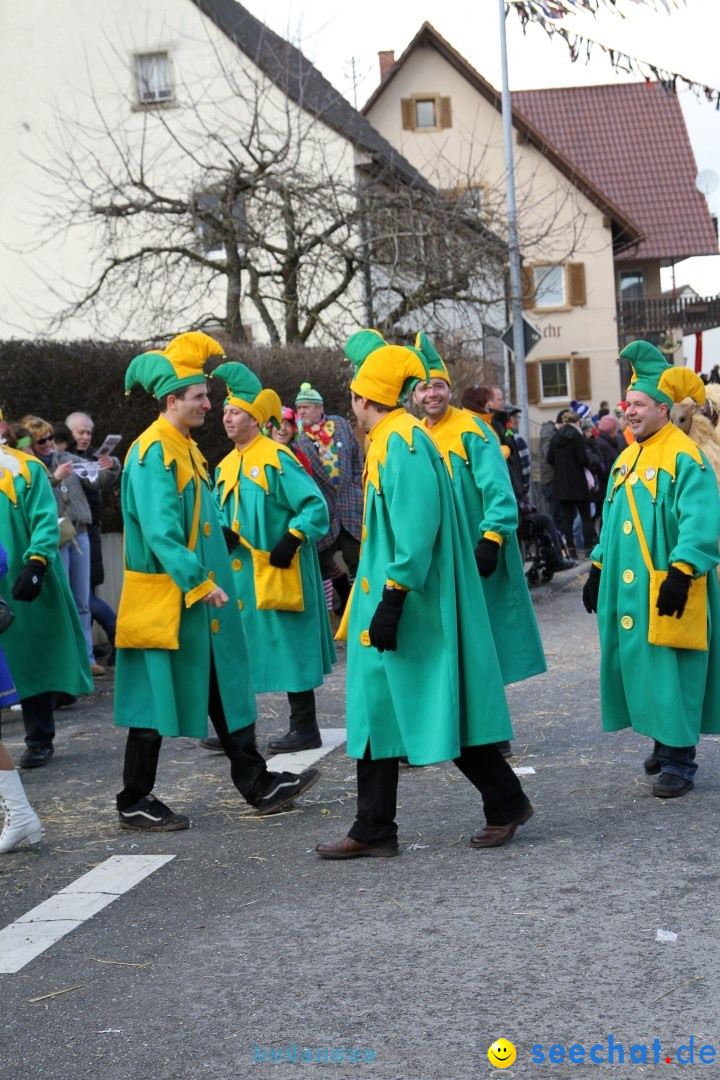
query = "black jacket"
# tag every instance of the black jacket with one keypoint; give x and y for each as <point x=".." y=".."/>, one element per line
<point x="569" y="456"/>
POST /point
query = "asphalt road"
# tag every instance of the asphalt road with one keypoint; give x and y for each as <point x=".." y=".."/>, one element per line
<point x="246" y="943"/>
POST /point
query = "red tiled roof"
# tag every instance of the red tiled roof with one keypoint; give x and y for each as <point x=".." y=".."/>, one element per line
<point x="630" y="140"/>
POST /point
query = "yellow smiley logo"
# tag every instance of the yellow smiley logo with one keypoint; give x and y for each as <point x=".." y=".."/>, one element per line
<point x="501" y="1054"/>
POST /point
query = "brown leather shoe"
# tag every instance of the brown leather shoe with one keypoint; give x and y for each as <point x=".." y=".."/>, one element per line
<point x="497" y="835"/>
<point x="347" y="848"/>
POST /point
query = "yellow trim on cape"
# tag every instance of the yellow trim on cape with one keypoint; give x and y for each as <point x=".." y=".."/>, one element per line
<point x="448" y="432"/>
<point x="203" y="589"/>
<point x="261" y="453"/>
<point x="490" y="535"/>
<point x="659" y="451"/>
<point x="177" y="448"/>
<point x="6" y="480"/>
<point x="397" y="422"/>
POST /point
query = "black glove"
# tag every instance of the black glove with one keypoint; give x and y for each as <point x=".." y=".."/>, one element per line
<point x="29" y="581"/>
<point x="232" y="539"/>
<point x="282" y="554"/>
<point x="486" y="557"/>
<point x="384" y="623"/>
<point x="591" y="588"/>
<point x="673" y="593"/>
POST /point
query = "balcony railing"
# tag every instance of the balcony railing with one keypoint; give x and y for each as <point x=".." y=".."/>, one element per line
<point x="638" y="318"/>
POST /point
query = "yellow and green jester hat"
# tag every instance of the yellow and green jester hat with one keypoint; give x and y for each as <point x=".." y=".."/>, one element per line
<point x="179" y="364"/>
<point x="383" y="373"/>
<point x="435" y="362"/>
<point x="245" y="392"/>
<point x="663" y="382"/>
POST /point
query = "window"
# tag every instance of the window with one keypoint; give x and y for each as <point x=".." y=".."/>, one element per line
<point x="554" y="380"/>
<point x="425" y="113"/>
<point x="549" y="282"/>
<point x="153" y="78"/>
<point x="632" y="285"/>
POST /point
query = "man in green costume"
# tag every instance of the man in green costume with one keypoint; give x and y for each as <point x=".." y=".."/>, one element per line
<point x="489" y="512"/>
<point x="423" y="678"/>
<point x="45" y="647"/>
<point x="653" y="581"/>
<point x="265" y="494"/>
<point x="182" y="653"/>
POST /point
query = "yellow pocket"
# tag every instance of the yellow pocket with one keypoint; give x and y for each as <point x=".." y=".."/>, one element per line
<point x="688" y="632"/>
<point x="149" y="612"/>
<point x="276" y="589"/>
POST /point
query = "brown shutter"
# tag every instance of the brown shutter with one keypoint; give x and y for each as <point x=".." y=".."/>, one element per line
<point x="582" y="389"/>
<point x="527" y="279"/>
<point x="532" y="374"/>
<point x="576" y="282"/>
<point x="445" y="113"/>
<point x="408" y="114"/>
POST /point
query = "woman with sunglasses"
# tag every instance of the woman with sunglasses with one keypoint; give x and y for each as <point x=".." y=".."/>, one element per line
<point x="70" y="477"/>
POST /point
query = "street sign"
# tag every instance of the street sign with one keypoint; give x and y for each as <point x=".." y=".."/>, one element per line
<point x="531" y="335"/>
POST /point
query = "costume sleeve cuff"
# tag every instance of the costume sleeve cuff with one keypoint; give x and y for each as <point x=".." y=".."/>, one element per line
<point x="685" y="568"/>
<point x="39" y="558"/>
<point x="198" y="592"/>
<point x="493" y="536"/>
<point x="297" y="533"/>
<point x="598" y="564"/>
<point x="396" y="585"/>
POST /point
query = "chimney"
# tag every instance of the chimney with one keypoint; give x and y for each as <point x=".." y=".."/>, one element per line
<point x="387" y="60"/>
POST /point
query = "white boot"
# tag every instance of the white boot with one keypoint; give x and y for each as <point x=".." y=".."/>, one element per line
<point x="21" y="821"/>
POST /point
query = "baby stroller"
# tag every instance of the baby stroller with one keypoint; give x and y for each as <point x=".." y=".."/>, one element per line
<point x="539" y="560"/>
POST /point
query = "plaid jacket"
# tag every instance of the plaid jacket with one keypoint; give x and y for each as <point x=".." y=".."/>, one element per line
<point x="345" y="499"/>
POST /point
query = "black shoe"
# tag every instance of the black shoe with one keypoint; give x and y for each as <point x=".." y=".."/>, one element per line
<point x="295" y="741"/>
<point x="505" y="748"/>
<point x="36" y="756"/>
<point x="651" y="764"/>
<point x="285" y="787"/>
<point x="212" y="742"/>
<point x="566" y="564"/>
<point x="63" y="700"/>
<point x="151" y="815"/>
<point x="670" y="786"/>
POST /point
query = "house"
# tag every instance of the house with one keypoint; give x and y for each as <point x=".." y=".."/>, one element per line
<point x="175" y="163"/>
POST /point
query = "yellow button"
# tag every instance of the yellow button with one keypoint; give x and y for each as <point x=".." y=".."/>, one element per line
<point x="211" y="575"/>
<point x="240" y="604"/>
<point x="365" y="585"/>
<point x="206" y="528"/>
<point x="627" y="622"/>
<point x="363" y="532"/>
<point x="633" y="479"/>
<point x="214" y="626"/>
<point x="628" y="577"/>
<point x="627" y="527"/>
<point x="236" y="564"/>
<point x="365" y="637"/>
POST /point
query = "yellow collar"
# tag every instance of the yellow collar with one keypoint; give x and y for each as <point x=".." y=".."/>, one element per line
<point x="448" y="432"/>
<point x="177" y="448"/>
<point x="23" y="469"/>
<point x="253" y="460"/>
<point x="659" y="451"/>
<point x="396" y="422"/>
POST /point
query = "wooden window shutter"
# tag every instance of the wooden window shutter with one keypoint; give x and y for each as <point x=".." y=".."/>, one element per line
<point x="576" y="283"/>
<point x="527" y="279"/>
<point x="408" y="114"/>
<point x="445" y="113"/>
<point x="532" y="374"/>
<point x="582" y="388"/>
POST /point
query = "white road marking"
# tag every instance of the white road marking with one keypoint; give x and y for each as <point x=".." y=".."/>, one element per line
<point x="303" y="759"/>
<point x="523" y="770"/>
<point x="36" y="931"/>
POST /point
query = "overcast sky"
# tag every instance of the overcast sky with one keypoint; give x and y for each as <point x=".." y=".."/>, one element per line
<point x="343" y="40"/>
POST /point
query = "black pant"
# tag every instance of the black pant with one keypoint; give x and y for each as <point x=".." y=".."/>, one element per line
<point x="247" y="765"/>
<point x="39" y="719"/>
<point x="303" y="713"/>
<point x="349" y="548"/>
<point x="484" y="766"/>
<point x="583" y="508"/>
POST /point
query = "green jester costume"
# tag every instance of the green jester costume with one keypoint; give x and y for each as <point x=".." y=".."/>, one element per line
<point x="264" y="494"/>
<point x="485" y="497"/>
<point x="423" y="678"/>
<point x="660" y="673"/>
